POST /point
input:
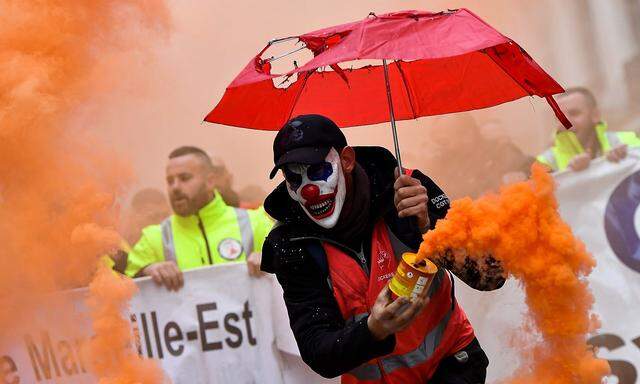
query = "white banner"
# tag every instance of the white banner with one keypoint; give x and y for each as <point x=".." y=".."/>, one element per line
<point x="601" y="206"/>
<point x="217" y="329"/>
<point x="221" y="327"/>
<point x="48" y="348"/>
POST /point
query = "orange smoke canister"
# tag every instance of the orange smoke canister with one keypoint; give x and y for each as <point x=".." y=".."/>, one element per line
<point x="412" y="277"/>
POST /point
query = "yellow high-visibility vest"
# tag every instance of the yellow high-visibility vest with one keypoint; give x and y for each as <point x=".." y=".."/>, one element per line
<point x="217" y="234"/>
<point x="567" y="146"/>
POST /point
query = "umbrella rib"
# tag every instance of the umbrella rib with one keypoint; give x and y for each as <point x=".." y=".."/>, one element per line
<point x="499" y="64"/>
<point x="295" y="101"/>
<point x="406" y="88"/>
<point x="274" y="58"/>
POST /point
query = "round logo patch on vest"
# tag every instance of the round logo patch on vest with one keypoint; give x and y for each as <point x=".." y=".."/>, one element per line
<point x="230" y="249"/>
<point x="620" y="219"/>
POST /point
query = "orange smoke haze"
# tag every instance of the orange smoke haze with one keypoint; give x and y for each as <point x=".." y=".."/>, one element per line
<point x="57" y="184"/>
<point x="521" y="227"/>
<point x="113" y="359"/>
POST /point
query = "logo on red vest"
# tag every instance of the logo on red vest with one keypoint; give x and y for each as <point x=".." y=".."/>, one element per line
<point x="383" y="259"/>
<point x="384" y="265"/>
<point x="230" y="249"/>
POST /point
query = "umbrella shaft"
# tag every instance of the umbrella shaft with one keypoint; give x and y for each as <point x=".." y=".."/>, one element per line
<point x="392" y="117"/>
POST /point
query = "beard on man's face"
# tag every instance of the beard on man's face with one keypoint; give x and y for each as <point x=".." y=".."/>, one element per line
<point x="181" y="204"/>
<point x="185" y="205"/>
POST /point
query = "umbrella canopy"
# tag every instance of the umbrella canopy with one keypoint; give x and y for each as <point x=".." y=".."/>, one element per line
<point x="443" y="62"/>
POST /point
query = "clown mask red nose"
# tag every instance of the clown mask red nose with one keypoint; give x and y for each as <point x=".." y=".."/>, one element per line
<point x="318" y="188"/>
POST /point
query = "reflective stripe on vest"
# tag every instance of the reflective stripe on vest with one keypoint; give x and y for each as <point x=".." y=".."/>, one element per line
<point x="366" y="372"/>
<point x="548" y="158"/>
<point x="613" y="139"/>
<point x="168" y="246"/>
<point x="428" y="346"/>
<point x="410" y="359"/>
<point x="244" y="223"/>
<point x="246" y="232"/>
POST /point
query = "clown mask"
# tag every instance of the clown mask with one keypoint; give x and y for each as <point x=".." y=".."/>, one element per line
<point x="319" y="188"/>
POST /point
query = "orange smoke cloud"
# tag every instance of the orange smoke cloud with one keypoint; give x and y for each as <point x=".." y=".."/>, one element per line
<point x="521" y="227"/>
<point x="57" y="184"/>
<point x="114" y="359"/>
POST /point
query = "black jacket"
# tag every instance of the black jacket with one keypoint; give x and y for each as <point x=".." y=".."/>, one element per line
<point x="327" y="344"/>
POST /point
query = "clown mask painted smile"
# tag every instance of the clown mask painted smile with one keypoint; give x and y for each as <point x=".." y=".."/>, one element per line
<point x="318" y="188"/>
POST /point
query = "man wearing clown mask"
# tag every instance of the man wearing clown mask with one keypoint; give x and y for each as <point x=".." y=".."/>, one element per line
<point x="345" y="217"/>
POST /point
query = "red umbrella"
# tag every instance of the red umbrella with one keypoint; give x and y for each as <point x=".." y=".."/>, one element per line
<point x="442" y="62"/>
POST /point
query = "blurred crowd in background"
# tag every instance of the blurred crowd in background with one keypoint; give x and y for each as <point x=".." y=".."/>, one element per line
<point x="466" y="158"/>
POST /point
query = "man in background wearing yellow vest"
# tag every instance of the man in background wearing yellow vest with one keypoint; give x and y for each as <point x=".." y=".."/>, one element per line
<point x="203" y="230"/>
<point x="589" y="137"/>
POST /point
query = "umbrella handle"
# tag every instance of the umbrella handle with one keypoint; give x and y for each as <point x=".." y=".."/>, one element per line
<point x="392" y="117"/>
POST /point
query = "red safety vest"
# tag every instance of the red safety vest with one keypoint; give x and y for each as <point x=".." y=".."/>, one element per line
<point x="440" y="330"/>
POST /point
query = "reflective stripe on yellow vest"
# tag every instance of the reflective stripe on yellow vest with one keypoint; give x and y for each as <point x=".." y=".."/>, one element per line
<point x="244" y="223"/>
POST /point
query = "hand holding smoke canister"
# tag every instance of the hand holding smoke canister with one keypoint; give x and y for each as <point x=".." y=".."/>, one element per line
<point x="403" y="299"/>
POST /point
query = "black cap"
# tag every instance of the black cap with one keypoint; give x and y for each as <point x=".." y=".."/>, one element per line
<point x="306" y="139"/>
